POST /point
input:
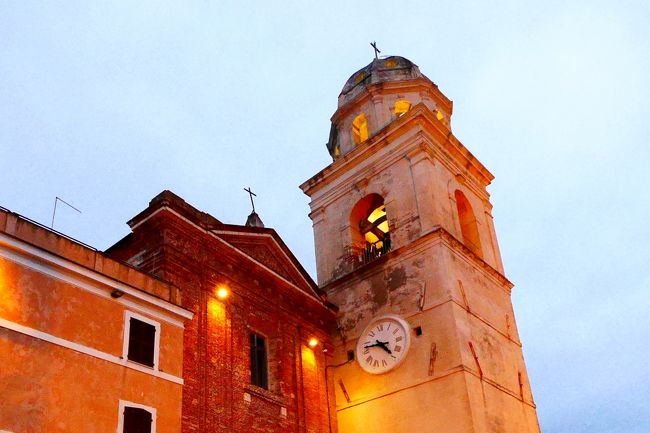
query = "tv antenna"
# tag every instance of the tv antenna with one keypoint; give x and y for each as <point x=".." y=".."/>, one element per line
<point x="56" y="201"/>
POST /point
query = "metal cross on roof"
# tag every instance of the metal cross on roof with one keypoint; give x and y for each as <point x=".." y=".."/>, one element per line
<point x="373" y="44"/>
<point x="251" y="193"/>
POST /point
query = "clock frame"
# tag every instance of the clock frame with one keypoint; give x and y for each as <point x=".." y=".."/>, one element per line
<point x="383" y="344"/>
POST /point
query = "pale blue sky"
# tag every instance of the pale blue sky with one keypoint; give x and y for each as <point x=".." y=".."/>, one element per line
<point x="107" y="103"/>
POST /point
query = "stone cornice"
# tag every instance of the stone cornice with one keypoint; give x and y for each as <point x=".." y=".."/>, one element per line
<point x="440" y="143"/>
<point x="438" y="233"/>
<point x="421" y="85"/>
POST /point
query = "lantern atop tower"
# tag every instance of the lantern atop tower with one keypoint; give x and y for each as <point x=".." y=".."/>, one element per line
<point x="378" y="94"/>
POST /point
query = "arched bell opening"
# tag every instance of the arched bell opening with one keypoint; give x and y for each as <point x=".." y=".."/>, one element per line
<point x="360" y="129"/>
<point x="370" y="228"/>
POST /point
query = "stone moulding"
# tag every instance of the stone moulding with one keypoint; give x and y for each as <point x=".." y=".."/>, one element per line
<point x="437" y="232"/>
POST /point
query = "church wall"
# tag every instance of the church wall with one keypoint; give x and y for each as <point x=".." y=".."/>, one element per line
<point x="402" y="411"/>
<point x="218" y="394"/>
<point x="452" y="315"/>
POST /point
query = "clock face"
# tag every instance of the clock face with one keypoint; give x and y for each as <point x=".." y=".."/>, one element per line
<point x="383" y="344"/>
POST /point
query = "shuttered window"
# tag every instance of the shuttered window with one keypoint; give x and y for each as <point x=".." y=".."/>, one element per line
<point x="137" y="420"/>
<point x="142" y="341"/>
<point x="259" y="368"/>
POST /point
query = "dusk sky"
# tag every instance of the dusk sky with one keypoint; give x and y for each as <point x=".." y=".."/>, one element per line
<point x="105" y="104"/>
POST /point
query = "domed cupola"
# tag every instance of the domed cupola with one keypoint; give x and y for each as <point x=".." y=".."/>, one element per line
<point x="393" y="68"/>
<point x="378" y="94"/>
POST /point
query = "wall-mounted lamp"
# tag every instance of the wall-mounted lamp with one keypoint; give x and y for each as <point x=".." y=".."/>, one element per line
<point x="116" y="293"/>
<point x="222" y="293"/>
<point x="313" y="342"/>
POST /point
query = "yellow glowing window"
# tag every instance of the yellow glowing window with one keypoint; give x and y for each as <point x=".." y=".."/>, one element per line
<point x="401" y="107"/>
<point x="359" y="129"/>
<point x="438" y="114"/>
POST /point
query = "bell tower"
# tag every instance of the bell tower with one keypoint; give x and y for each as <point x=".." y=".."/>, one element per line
<point x="406" y="248"/>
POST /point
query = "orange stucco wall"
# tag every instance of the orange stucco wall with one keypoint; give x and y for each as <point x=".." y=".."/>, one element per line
<point x="47" y="387"/>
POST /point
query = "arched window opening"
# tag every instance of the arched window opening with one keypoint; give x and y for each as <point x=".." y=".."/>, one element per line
<point x="401" y="107"/>
<point x="468" y="224"/>
<point x="360" y="129"/>
<point x="371" y="231"/>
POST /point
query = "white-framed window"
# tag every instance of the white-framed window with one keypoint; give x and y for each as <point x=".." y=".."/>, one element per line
<point x="141" y="340"/>
<point x="136" y="418"/>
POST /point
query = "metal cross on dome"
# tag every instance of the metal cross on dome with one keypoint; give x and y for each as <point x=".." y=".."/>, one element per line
<point x="373" y="44"/>
<point x="251" y="194"/>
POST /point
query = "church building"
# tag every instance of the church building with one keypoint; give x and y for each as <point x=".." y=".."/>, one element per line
<point x="192" y="325"/>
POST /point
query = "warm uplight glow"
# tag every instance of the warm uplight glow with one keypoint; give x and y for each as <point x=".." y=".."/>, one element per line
<point x="222" y="293"/>
<point x="308" y="358"/>
<point x="216" y="310"/>
<point x="313" y="342"/>
<point x="10" y="298"/>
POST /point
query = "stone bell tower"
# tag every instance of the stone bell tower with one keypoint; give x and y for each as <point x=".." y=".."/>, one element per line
<point x="404" y="235"/>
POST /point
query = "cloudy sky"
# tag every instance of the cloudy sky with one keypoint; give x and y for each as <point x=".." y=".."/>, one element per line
<point x="105" y="104"/>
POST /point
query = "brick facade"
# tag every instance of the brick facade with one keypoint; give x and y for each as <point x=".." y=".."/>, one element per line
<point x="270" y="294"/>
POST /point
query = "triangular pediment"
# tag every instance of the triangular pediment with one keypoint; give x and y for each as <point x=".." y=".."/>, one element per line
<point x="265" y="247"/>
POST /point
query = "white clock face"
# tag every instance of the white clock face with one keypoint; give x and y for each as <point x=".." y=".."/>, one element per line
<point x="383" y="344"/>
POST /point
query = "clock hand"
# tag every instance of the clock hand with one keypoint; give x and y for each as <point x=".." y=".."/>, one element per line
<point x="383" y="345"/>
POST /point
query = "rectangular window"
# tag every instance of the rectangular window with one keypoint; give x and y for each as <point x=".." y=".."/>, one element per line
<point x="259" y="368"/>
<point x="141" y="340"/>
<point x="136" y="418"/>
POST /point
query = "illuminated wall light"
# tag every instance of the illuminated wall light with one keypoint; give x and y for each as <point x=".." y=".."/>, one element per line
<point x="222" y="293"/>
<point x="313" y="342"/>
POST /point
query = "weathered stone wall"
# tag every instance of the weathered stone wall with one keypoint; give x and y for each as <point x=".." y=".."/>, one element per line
<point x="417" y="184"/>
<point x="444" y="290"/>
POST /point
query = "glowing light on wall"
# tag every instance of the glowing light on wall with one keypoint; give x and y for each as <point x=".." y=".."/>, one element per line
<point x="8" y="298"/>
<point x="308" y="358"/>
<point x="222" y="292"/>
<point x="313" y="342"/>
<point x="216" y="310"/>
